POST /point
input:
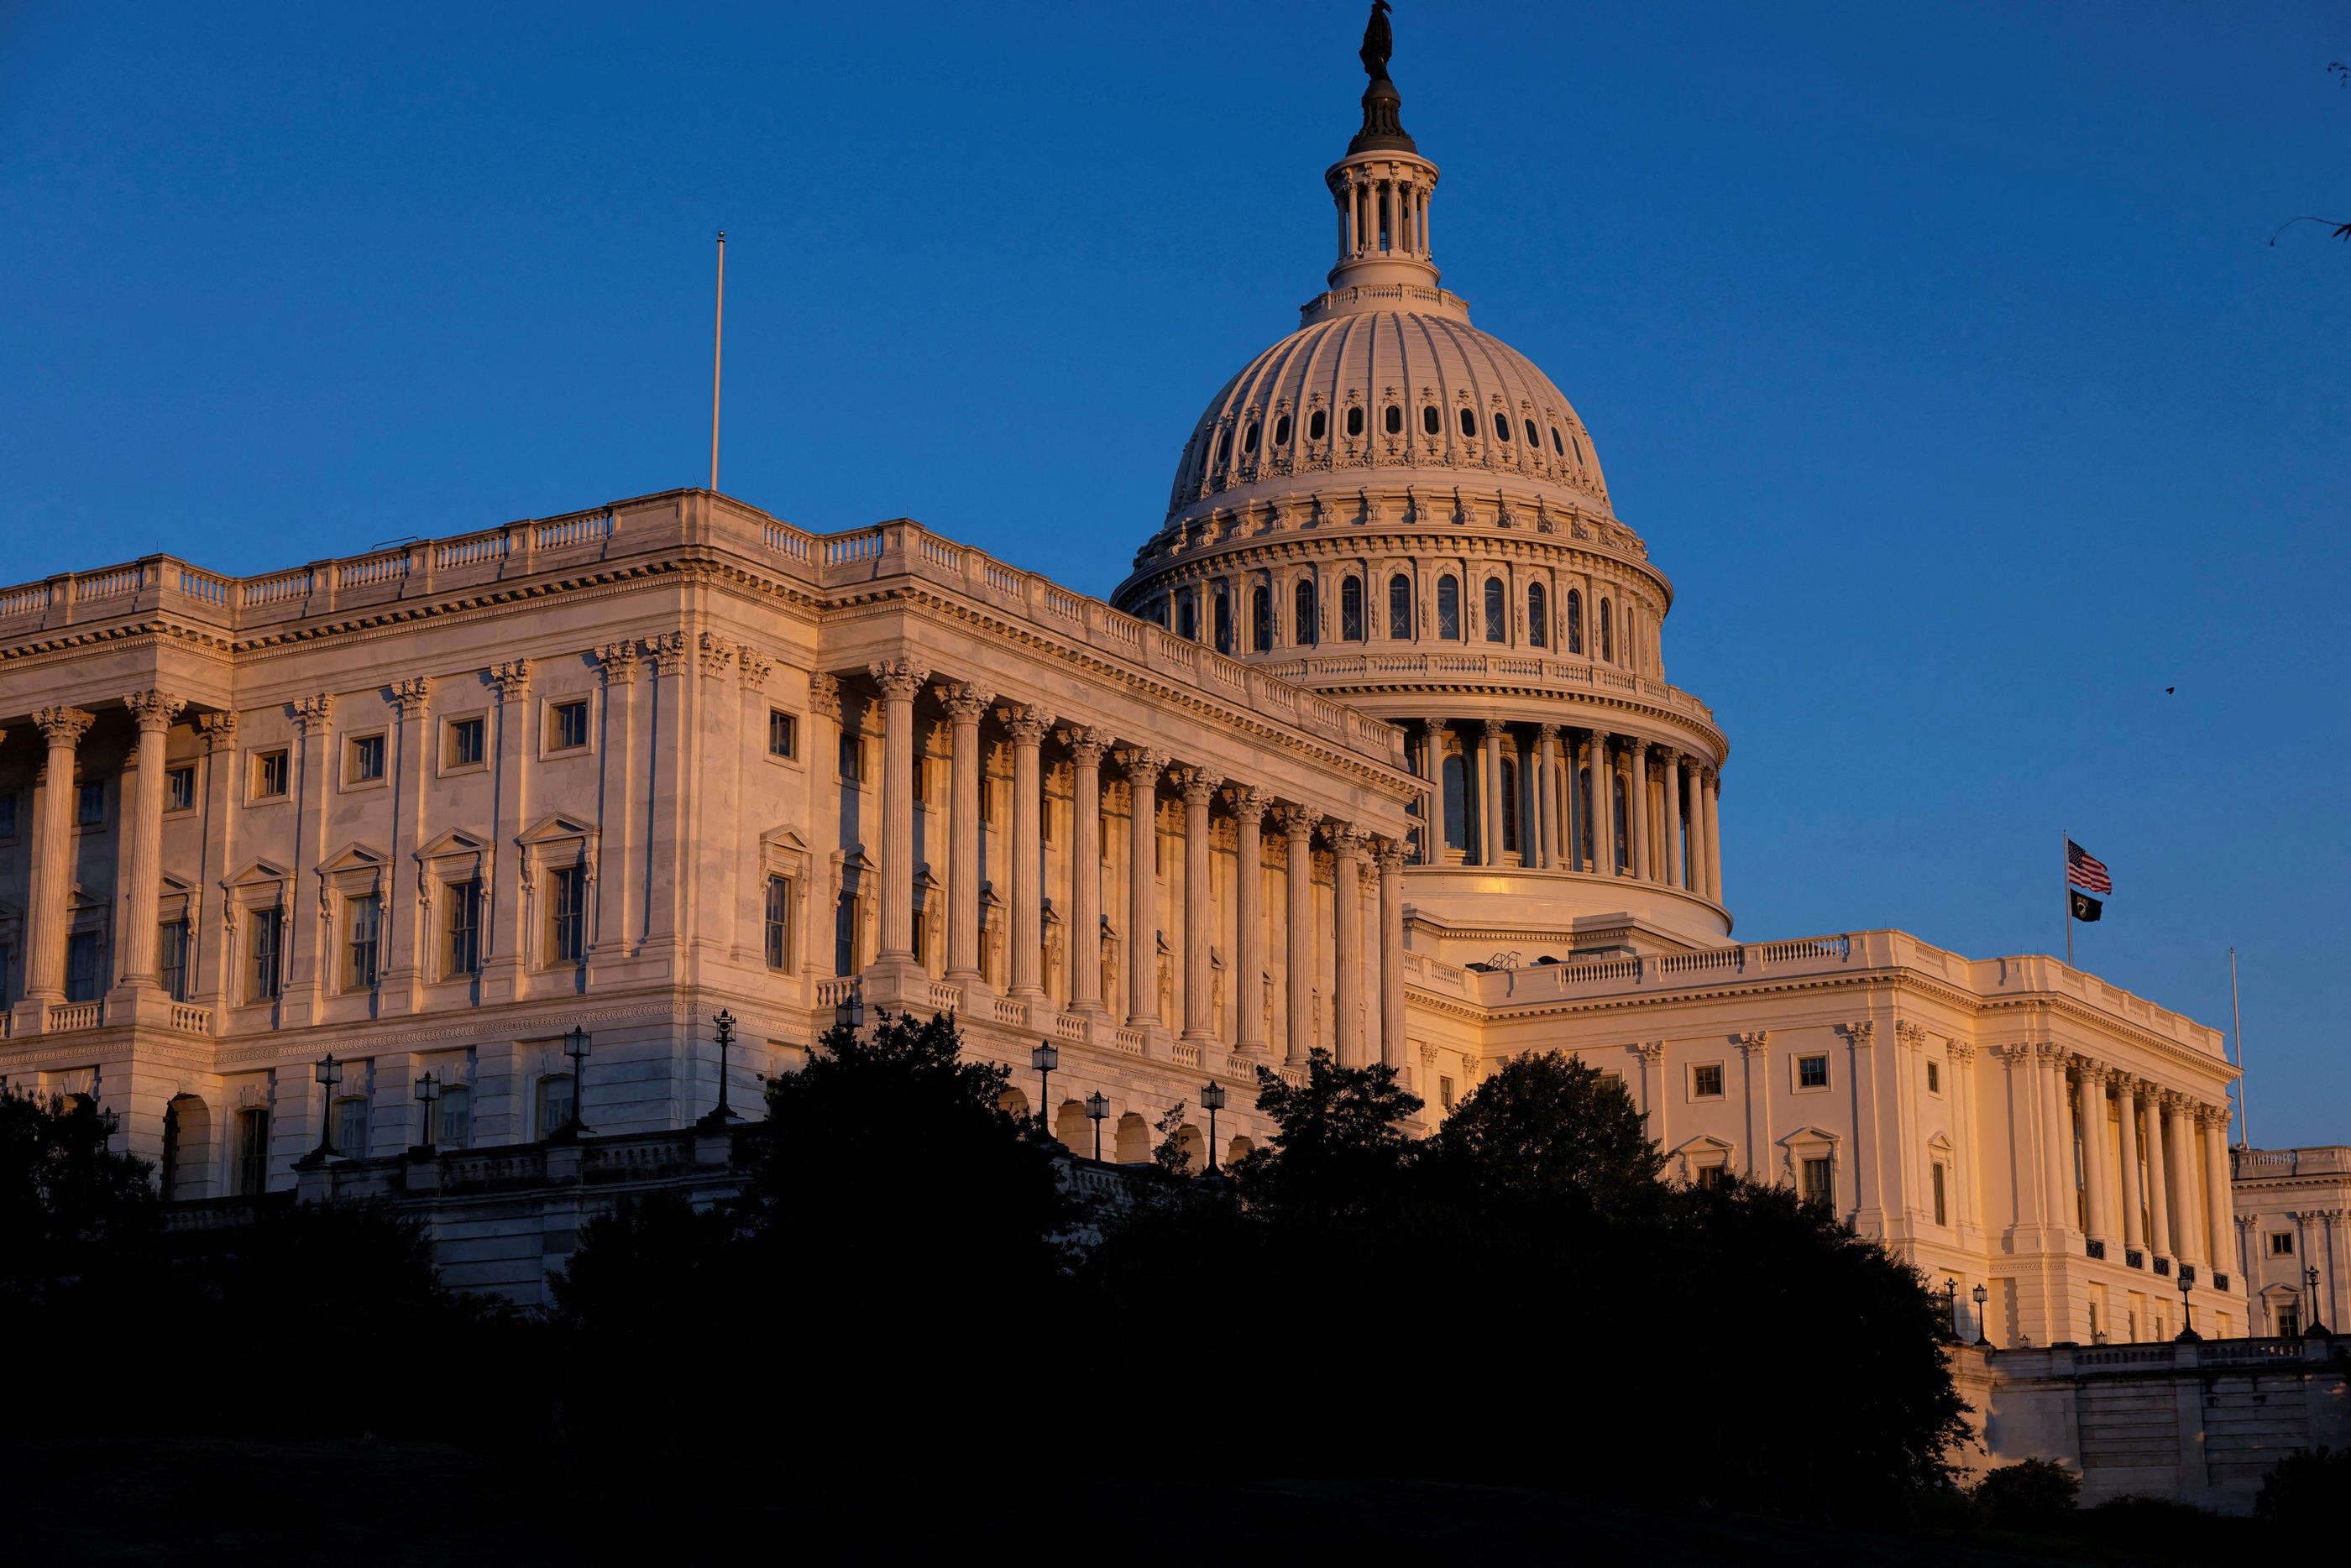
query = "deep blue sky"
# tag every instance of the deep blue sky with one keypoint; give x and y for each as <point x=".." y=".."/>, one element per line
<point x="1936" y="349"/>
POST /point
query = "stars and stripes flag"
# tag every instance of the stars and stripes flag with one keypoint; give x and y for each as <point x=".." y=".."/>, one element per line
<point x="2085" y="870"/>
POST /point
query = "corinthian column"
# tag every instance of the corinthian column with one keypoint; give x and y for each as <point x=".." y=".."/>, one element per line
<point x="1391" y="864"/>
<point x="899" y="680"/>
<point x="1347" y="845"/>
<point x="1029" y="730"/>
<point x="1200" y="787"/>
<point x="966" y="705"/>
<point x="154" y="711"/>
<point x="1489" y="796"/>
<point x="1636" y="796"/>
<point x="1701" y="863"/>
<point x="2093" y="1086"/>
<point x="1142" y="770"/>
<point x="2179" y="1183"/>
<point x="2219" y="1205"/>
<point x="1432" y="822"/>
<point x="1297" y="824"/>
<point x="2159" y="1193"/>
<point x="1548" y="850"/>
<point x="1603" y="817"/>
<point x="1086" y="749"/>
<point x="1714" y="835"/>
<point x="1676" y="872"/>
<point x="52" y="879"/>
<point x="1248" y="921"/>
<point x="2134" y="1199"/>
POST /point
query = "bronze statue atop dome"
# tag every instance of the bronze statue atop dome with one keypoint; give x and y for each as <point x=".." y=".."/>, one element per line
<point x="1379" y="43"/>
<point x="1382" y="129"/>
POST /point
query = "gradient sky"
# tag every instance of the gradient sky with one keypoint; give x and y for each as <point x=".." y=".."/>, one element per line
<point x="1938" y="350"/>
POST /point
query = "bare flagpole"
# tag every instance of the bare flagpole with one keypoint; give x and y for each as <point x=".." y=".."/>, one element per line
<point x="718" y="344"/>
<point x="2237" y="1025"/>
<point x="2064" y="859"/>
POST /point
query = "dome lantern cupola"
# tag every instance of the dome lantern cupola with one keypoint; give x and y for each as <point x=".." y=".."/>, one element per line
<point x="1382" y="189"/>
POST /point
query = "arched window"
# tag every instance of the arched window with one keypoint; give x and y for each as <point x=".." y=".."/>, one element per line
<point x="1538" y="616"/>
<point x="1261" y="619"/>
<point x="1574" y="621"/>
<point x="1187" y="616"/>
<point x="1502" y="427"/>
<point x="1224" y="619"/>
<point x="1392" y="419"/>
<point x="1607" y="637"/>
<point x="1249" y="437"/>
<point x="1223" y="449"/>
<point x="1400" y="608"/>
<point x="1431" y="420"/>
<point x="1532" y="439"/>
<point x="1469" y="421"/>
<point x="1449" y="609"/>
<point x="1281" y="430"/>
<point x="1456" y="803"/>
<point x="1303" y="599"/>
<point x="1556" y="445"/>
<point x="1623" y="846"/>
<point x="1354" y="422"/>
<point x="1509" y="804"/>
<point x="1498" y="611"/>
<point x="1351" y="609"/>
<point x="1317" y="423"/>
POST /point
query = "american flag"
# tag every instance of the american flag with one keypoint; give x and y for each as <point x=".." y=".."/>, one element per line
<point x="2085" y="870"/>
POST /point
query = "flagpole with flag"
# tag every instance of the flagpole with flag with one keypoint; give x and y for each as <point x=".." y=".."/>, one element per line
<point x="2068" y="859"/>
<point x="2084" y="874"/>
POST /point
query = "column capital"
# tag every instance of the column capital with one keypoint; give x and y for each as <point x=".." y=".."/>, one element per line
<point x="1493" y="728"/>
<point x="1249" y="802"/>
<point x="617" y="661"/>
<point x="512" y="679"/>
<point x="1650" y="1050"/>
<point x="2208" y="1116"/>
<point x="1757" y="1043"/>
<point x="965" y="703"/>
<point x="1143" y="767"/>
<point x="1388" y="854"/>
<point x="1908" y="1034"/>
<point x="1349" y="842"/>
<point x="1030" y="725"/>
<point x="824" y="696"/>
<point x="410" y="696"/>
<point x="153" y="710"/>
<point x="64" y="726"/>
<point x="1859" y="1034"/>
<point x="754" y="665"/>
<point x="1547" y="732"/>
<point x="219" y="731"/>
<point x="898" y="678"/>
<point x="313" y="714"/>
<point x="718" y="654"/>
<point x="1959" y="1050"/>
<point x="1296" y="822"/>
<point x="1713" y="779"/>
<point x="1199" y="786"/>
<point x="1087" y="744"/>
<point x="2092" y="1070"/>
<point x="668" y="653"/>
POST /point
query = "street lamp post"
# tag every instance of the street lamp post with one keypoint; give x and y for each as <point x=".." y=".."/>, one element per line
<point x="2187" y="1334"/>
<point x="575" y="1045"/>
<point x="1982" y="1295"/>
<point x="1951" y="1302"/>
<point x="1212" y="1100"/>
<point x="1045" y="1058"/>
<point x="1097" y="1110"/>
<point x="428" y="1094"/>
<point x="329" y="1072"/>
<point x="721" y="1113"/>
<point x="2309" y="1293"/>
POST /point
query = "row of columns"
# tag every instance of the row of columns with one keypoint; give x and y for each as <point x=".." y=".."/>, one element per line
<point x="1027" y="726"/>
<point x="1362" y="203"/>
<point x="1573" y="826"/>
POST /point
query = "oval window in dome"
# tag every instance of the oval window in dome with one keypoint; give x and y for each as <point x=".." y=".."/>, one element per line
<point x="1354" y="422"/>
<point x="1501" y="427"/>
<point x="1316" y="423"/>
<point x="1249" y="437"/>
<point x="1469" y="421"/>
<point x="1281" y="430"/>
<point x="1431" y="420"/>
<point x="1532" y="439"/>
<point x="1556" y="444"/>
<point x="1392" y="419"/>
<point x="1223" y="449"/>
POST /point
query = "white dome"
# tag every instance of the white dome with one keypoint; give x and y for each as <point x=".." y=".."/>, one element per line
<point x="1351" y="397"/>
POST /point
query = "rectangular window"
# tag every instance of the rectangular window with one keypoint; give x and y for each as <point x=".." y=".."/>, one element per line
<point x="1709" y="1176"/>
<point x="2281" y="1243"/>
<point x="1445" y="1093"/>
<point x="362" y="927"/>
<point x="461" y="953"/>
<point x="1941" y="1217"/>
<point x="172" y="958"/>
<point x="252" y="1152"/>
<point x="1934" y="1077"/>
<point x="272" y="773"/>
<point x="85" y="977"/>
<point x="555" y="1102"/>
<point x="463" y="748"/>
<point x="2289" y="1322"/>
<point x="456" y="1105"/>
<point x="90" y="804"/>
<point x="268" y="926"/>
<point x="351" y="1128"/>
<point x="779" y="921"/>
<point x="852" y="758"/>
<point x="363" y="759"/>
<point x="1706" y="1082"/>
<point x="570" y="725"/>
<point x="1811" y="1072"/>
<point x="566" y="914"/>
<point x="1820" y="1181"/>
<point x="179" y="790"/>
<point x="7" y="977"/>
<point x="783" y="734"/>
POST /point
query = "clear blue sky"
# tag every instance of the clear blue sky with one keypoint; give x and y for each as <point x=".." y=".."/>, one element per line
<point x="1936" y="349"/>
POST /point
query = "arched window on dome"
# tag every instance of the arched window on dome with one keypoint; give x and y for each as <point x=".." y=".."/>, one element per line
<point x="1502" y="427"/>
<point x="1354" y="422"/>
<point x="1574" y="621"/>
<point x="1317" y="424"/>
<point x="1538" y="616"/>
<point x="1188" y="616"/>
<point x="1249" y="437"/>
<point x="1224" y="619"/>
<point x="1351" y="609"/>
<point x="1532" y="439"/>
<point x="1460" y="826"/>
<point x="1261" y="619"/>
<point x="1556" y="444"/>
<point x="1449" y="609"/>
<point x="1392" y="419"/>
<point x="1498" y="611"/>
<point x="1225" y="447"/>
<point x="1302" y="599"/>
<point x="1281" y="430"/>
<point x="1510" y="802"/>
<point x="1431" y="422"/>
<point x="1607" y="636"/>
<point x="1624" y="843"/>
<point x="1469" y="421"/>
<point x="1400" y="608"/>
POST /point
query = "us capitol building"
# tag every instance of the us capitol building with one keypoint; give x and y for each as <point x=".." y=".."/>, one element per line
<point x="1373" y="750"/>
